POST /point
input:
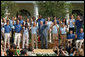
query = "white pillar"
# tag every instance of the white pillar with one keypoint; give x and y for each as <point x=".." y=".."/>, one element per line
<point x="67" y="10"/>
<point x="35" y="10"/>
<point x="67" y="15"/>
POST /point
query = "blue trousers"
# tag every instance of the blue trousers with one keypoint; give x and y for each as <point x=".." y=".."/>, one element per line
<point x="44" y="38"/>
<point x="77" y="30"/>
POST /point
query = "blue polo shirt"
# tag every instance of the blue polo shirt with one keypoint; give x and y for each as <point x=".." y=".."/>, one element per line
<point x="71" y="36"/>
<point x="18" y="28"/>
<point x="21" y="22"/>
<point x="7" y="29"/>
<point x="78" y="24"/>
<point x="80" y="36"/>
<point x="11" y="23"/>
<point x="34" y="30"/>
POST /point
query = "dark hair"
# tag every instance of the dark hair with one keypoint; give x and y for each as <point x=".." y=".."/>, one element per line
<point x="9" y="52"/>
<point x="17" y="19"/>
<point x="23" y="52"/>
<point x="7" y="20"/>
<point x="54" y="16"/>
<point x="13" y="46"/>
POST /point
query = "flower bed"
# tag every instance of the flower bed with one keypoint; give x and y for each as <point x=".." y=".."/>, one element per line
<point x="44" y="52"/>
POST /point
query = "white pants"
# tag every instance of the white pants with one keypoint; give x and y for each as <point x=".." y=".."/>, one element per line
<point x="79" y="42"/>
<point x="7" y="39"/>
<point x="25" y="39"/>
<point x="70" y="41"/>
<point x="17" y="39"/>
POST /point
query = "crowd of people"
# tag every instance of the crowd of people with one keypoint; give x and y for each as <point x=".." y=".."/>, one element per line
<point x="66" y="35"/>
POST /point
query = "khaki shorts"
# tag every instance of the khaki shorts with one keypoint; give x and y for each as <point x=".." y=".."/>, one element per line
<point x="64" y="36"/>
<point x="55" y="36"/>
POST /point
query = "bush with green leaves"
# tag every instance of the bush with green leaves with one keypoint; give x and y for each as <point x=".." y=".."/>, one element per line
<point x="11" y="6"/>
<point x="54" y="8"/>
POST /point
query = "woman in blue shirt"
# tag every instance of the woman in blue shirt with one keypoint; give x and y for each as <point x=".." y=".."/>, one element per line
<point x="55" y="30"/>
<point x="34" y="35"/>
<point x="80" y="38"/>
<point x="63" y="31"/>
<point x="71" y="24"/>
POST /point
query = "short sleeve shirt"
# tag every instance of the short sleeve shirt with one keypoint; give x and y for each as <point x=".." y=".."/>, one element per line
<point x="55" y="29"/>
<point x="71" y="23"/>
<point x="49" y="24"/>
<point x="63" y="30"/>
<point x="34" y="30"/>
<point x="71" y="36"/>
<point x="80" y="36"/>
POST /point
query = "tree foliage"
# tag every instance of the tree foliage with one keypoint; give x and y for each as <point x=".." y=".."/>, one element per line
<point x="53" y="8"/>
<point x="11" y="6"/>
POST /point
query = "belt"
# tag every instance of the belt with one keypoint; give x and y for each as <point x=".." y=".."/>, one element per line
<point x="17" y="32"/>
<point x="63" y="34"/>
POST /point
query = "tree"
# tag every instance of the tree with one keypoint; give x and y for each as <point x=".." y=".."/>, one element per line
<point x="53" y="8"/>
<point x="11" y="7"/>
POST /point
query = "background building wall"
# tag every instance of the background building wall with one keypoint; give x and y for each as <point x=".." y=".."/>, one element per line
<point x="26" y="6"/>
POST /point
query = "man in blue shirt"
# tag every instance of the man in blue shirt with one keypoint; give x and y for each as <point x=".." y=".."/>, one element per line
<point x="17" y="29"/>
<point x="45" y="34"/>
<point x="80" y="38"/>
<point x="70" y="37"/>
<point x="41" y="35"/>
<point x="78" y="24"/>
<point x="7" y="30"/>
